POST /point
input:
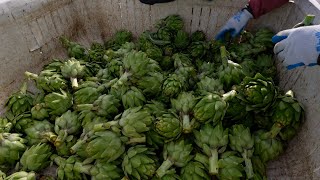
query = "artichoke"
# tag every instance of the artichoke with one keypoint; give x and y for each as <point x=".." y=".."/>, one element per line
<point x="287" y="112"/>
<point x="20" y="101"/>
<point x="48" y="80"/>
<point x="57" y="103"/>
<point x="155" y="53"/>
<point x="65" y="125"/>
<point x="87" y="94"/>
<point x="198" y="49"/>
<point x="65" y="168"/>
<point x="172" y="22"/>
<point x="155" y="108"/>
<point x="40" y="132"/>
<point x="258" y="93"/>
<point x="168" y="126"/>
<point x="118" y="39"/>
<point x="105" y="145"/>
<point x="209" y="85"/>
<point x="194" y="171"/>
<point x="198" y="36"/>
<point x="259" y="168"/>
<point x="236" y="110"/>
<point x="11" y="148"/>
<point x="266" y="147"/>
<point x="175" y="153"/>
<point x="21" y="175"/>
<point x="151" y="84"/>
<point x="139" y="162"/>
<point x="212" y="141"/>
<point x="230" y="166"/>
<point x="105" y="105"/>
<point x="39" y="111"/>
<point x="36" y="157"/>
<point x="181" y="60"/>
<point x="73" y="69"/>
<point x="74" y="50"/>
<point x="5" y="125"/>
<point x="212" y="107"/>
<point x="133" y="98"/>
<point x="173" y="85"/>
<point x="22" y="122"/>
<point x="181" y="40"/>
<point x="242" y="141"/>
<point x="64" y="148"/>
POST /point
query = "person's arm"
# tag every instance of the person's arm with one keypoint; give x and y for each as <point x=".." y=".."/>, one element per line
<point x="254" y="9"/>
<point x="261" y="7"/>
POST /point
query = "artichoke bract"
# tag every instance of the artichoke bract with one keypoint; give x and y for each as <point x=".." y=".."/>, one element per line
<point x="287" y="112"/>
<point x="20" y="101"/>
<point x="176" y="153"/>
<point x="48" y="80"/>
<point x="258" y="93"/>
<point x="212" y="107"/>
<point x="209" y="85"/>
<point x="65" y="125"/>
<point x="230" y="166"/>
<point x="139" y="162"/>
<point x="12" y="146"/>
<point x="58" y="103"/>
<point x="168" y="126"/>
<point x="5" y="125"/>
<point x="66" y="169"/>
<point x="72" y="69"/>
<point x="184" y="105"/>
<point x="74" y="50"/>
<point x="212" y="141"/>
<point x="40" y="132"/>
<point x="133" y="98"/>
<point x="194" y="171"/>
<point x="21" y="175"/>
<point x="39" y="111"/>
<point x="242" y="141"/>
<point x="22" y="122"/>
<point x="266" y="147"/>
<point x="36" y="157"/>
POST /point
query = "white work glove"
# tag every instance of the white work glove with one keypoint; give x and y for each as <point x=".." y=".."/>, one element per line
<point x="298" y="47"/>
<point x="235" y="24"/>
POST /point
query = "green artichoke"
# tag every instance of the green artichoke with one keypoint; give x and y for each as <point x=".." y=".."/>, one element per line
<point x="155" y="108"/>
<point x="21" y="175"/>
<point x="194" y="171"/>
<point x="266" y="147"/>
<point x="64" y="148"/>
<point x="105" y="105"/>
<point x="22" y="122"/>
<point x="242" y="141"/>
<point x="258" y="93"/>
<point x="87" y="94"/>
<point x="40" y="132"/>
<point x="139" y="162"/>
<point x="133" y="98"/>
<point x="118" y="39"/>
<point x="181" y="60"/>
<point x="259" y="168"/>
<point x="184" y="105"/>
<point x="173" y="85"/>
<point x="151" y="84"/>
<point x="230" y="166"/>
<point x="5" y="125"/>
<point x="212" y="141"/>
<point x="172" y="22"/>
<point x="48" y="80"/>
<point x="181" y="40"/>
<point x="20" y="101"/>
<point x="65" y="168"/>
<point x="175" y="153"/>
<point x="36" y="157"/>
<point x="73" y="69"/>
<point x="198" y="36"/>
<point x="168" y="126"/>
<point x="65" y="125"/>
<point x="236" y="110"/>
<point x="39" y="111"/>
<point x="209" y="85"/>
<point x="58" y="103"/>
<point x="198" y="49"/>
<point x="74" y="50"/>
<point x="155" y="53"/>
<point x="12" y="146"/>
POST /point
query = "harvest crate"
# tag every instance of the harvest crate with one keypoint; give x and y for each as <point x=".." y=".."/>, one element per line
<point x="29" y="32"/>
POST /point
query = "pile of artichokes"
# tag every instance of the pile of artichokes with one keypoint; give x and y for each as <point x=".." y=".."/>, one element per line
<point x="166" y="105"/>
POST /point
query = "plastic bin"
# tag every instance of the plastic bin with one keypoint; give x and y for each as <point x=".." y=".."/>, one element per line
<point x="29" y="32"/>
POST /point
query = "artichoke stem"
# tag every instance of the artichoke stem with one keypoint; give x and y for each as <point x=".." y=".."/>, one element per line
<point x="79" y="167"/>
<point x="248" y="163"/>
<point x="202" y="159"/>
<point x="229" y="95"/>
<point x="31" y="75"/>
<point x="50" y="136"/>
<point x="105" y="126"/>
<point x="275" y="130"/>
<point x="57" y="159"/>
<point x="161" y="171"/>
<point x="74" y="82"/>
<point x="75" y="147"/>
<point x="187" y="128"/>
<point x="123" y="79"/>
<point x="213" y="162"/>
<point x="61" y="138"/>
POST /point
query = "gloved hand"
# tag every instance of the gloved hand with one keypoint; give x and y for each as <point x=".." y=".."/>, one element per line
<point x="235" y="24"/>
<point x="298" y="47"/>
<point x="152" y="2"/>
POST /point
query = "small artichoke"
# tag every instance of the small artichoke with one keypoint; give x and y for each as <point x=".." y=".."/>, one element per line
<point x="168" y="126"/>
<point x="40" y="132"/>
<point x="39" y="111"/>
<point x="73" y="69"/>
<point x="58" y="103"/>
<point x="36" y="157"/>
<point x="133" y="98"/>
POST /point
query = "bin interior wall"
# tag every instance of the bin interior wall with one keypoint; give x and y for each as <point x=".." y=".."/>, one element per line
<point x="30" y="31"/>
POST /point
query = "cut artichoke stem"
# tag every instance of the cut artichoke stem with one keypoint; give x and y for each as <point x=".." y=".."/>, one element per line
<point x="83" y="107"/>
<point x="229" y="95"/>
<point x="79" y="143"/>
<point x="187" y="127"/>
<point x="57" y="159"/>
<point x="79" y="167"/>
<point x="31" y="75"/>
<point x="203" y="159"/>
<point x="74" y="82"/>
<point x="275" y="130"/>
<point x="137" y="140"/>
<point x="50" y="136"/>
<point x="61" y="138"/>
<point x="213" y="162"/>
<point x="248" y="168"/>
<point x="162" y="170"/>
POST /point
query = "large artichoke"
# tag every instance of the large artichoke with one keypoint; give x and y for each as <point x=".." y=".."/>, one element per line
<point x="39" y="111"/>
<point x="58" y="103"/>
<point x="40" y="132"/>
<point x="168" y="126"/>
<point x="133" y="98"/>
<point x="230" y="166"/>
<point x="48" y="80"/>
<point x="173" y="85"/>
<point x="36" y="157"/>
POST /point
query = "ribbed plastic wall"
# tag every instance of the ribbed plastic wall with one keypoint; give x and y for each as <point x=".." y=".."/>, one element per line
<point x="29" y="32"/>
